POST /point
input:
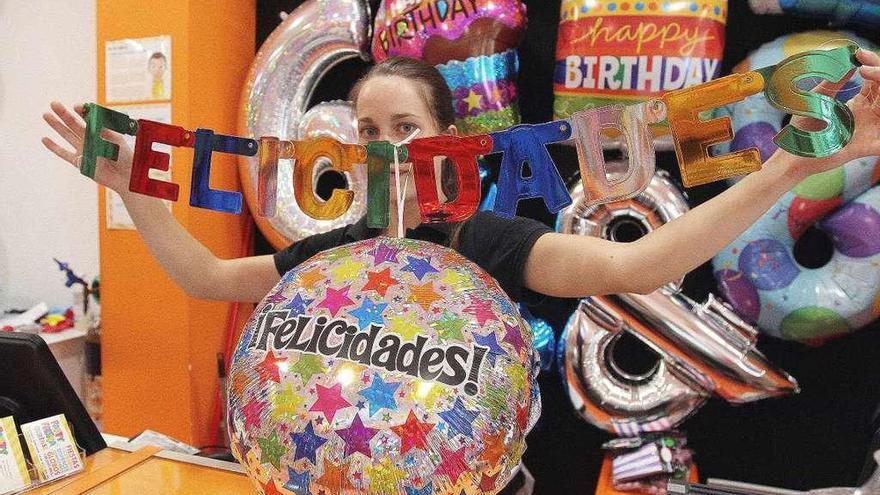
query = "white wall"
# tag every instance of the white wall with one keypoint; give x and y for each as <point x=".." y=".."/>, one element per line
<point x="47" y="51"/>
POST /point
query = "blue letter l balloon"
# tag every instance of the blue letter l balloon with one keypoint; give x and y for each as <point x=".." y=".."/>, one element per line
<point x="206" y="144"/>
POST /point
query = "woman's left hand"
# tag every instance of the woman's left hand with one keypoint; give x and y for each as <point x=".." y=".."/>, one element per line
<point x="866" y="110"/>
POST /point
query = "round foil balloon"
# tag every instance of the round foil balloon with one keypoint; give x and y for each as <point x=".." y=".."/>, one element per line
<point x="471" y="42"/>
<point x="387" y="366"/>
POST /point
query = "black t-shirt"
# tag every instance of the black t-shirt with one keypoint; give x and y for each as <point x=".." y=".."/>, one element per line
<point x="498" y="245"/>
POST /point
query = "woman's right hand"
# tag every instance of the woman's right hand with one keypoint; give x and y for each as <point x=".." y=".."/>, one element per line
<point x="188" y="262"/>
<point x="71" y="127"/>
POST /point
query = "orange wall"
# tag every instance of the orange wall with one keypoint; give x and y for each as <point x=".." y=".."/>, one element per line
<point x="160" y="346"/>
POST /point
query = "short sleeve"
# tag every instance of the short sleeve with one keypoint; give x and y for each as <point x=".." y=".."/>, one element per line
<point x="296" y="253"/>
<point x="501" y="246"/>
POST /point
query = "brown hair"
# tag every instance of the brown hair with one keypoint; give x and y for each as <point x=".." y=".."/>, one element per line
<point x="436" y="93"/>
<point x="438" y="98"/>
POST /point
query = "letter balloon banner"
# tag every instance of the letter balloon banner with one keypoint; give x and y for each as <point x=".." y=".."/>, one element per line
<point x="627" y="52"/>
<point x="388" y="366"/>
<point x="312" y="39"/>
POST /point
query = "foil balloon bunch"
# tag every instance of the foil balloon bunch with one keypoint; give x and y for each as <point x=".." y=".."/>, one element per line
<point x="388" y="366"/>
<point x="454" y="33"/>
<point x="703" y="349"/>
<point x="473" y="45"/>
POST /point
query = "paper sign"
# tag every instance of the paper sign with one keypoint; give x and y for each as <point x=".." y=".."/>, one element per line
<point x="13" y="469"/>
<point x="117" y="216"/>
<point x="52" y="448"/>
<point x="138" y="69"/>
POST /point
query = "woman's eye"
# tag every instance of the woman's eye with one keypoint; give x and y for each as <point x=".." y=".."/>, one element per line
<point x="369" y="133"/>
<point x="406" y="128"/>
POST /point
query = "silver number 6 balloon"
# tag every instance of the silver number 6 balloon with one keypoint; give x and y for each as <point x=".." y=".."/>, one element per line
<point x="311" y="40"/>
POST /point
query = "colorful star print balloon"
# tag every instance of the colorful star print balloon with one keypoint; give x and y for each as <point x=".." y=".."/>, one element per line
<point x="386" y="366"/>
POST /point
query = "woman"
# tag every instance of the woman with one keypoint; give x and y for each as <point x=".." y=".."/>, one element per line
<point x="400" y="96"/>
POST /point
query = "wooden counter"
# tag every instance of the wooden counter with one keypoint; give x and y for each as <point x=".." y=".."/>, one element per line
<point x="116" y="470"/>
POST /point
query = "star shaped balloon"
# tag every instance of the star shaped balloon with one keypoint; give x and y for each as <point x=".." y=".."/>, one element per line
<point x="419" y="266"/>
<point x="357" y="437"/>
<point x="459" y="419"/>
<point x="369" y="313"/>
<point x="336" y="299"/>
<point x="329" y="401"/>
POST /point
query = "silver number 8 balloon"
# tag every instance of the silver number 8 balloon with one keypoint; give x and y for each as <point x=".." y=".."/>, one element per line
<point x="703" y="348"/>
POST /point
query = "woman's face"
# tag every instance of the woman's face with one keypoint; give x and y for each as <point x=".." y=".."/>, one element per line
<point x="390" y="108"/>
<point x="156" y="67"/>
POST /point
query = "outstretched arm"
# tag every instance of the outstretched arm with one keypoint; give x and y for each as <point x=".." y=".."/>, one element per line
<point x="189" y="263"/>
<point x="576" y="266"/>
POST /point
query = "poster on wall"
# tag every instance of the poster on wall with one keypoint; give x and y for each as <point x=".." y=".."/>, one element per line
<point x="138" y="69"/>
<point x="117" y="216"/>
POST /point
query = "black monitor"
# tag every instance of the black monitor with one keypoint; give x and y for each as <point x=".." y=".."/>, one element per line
<point x="32" y="387"/>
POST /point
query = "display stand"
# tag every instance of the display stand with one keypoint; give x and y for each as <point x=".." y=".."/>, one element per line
<point x="606" y="487"/>
<point x="35" y="476"/>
